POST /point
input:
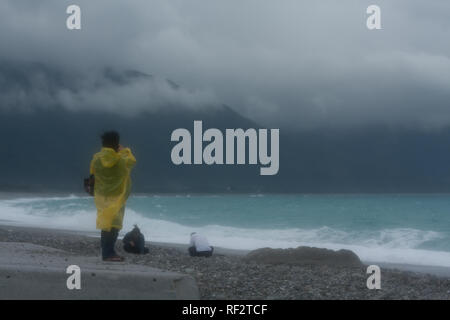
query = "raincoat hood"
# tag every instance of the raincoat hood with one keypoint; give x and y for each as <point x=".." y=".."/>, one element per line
<point x="108" y="157"/>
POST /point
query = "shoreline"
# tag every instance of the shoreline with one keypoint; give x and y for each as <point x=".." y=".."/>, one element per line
<point x="402" y="257"/>
<point x="440" y="271"/>
<point x="96" y="234"/>
<point x="227" y="276"/>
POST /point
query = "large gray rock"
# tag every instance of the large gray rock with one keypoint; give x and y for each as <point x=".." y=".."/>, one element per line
<point x="305" y="256"/>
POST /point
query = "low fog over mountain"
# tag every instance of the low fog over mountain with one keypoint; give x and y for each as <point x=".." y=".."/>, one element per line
<point x="48" y="146"/>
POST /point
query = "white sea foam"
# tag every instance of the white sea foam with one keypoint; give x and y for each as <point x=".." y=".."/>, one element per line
<point x="40" y="199"/>
<point x="395" y="245"/>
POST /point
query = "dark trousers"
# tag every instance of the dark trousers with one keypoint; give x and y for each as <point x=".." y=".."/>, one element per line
<point x="194" y="253"/>
<point x="108" y="240"/>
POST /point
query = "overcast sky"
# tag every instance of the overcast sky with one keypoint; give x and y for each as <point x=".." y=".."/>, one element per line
<point x="303" y="63"/>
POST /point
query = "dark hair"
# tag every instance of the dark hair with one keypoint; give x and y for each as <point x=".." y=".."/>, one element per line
<point x="111" y="139"/>
<point x="136" y="230"/>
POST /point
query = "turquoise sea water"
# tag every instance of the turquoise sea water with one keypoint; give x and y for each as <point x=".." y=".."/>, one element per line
<point x="413" y="229"/>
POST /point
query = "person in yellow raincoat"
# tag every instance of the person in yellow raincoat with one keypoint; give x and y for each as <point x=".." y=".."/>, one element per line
<point x="111" y="168"/>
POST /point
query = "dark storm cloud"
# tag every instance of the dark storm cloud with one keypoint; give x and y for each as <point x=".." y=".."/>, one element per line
<point x="305" y="63"/>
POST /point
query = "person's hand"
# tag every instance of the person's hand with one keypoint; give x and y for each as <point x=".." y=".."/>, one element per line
<point x="132" y="243"/>
<point x="120" y="147"/>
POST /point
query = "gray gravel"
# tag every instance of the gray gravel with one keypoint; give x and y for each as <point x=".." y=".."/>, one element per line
<point x="230" y="277"/>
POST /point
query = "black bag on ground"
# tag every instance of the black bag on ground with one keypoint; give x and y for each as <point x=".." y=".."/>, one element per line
<point x="134" y="242"/>
<point x="89" y="184"/>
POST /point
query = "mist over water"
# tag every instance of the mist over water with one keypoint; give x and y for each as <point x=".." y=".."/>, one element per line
<point x="411" y="229"/>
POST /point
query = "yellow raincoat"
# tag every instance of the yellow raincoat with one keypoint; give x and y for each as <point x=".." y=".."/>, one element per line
<point x="112" y="185"/>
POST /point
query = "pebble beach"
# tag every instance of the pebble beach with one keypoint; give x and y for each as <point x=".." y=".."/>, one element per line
<point x="230" y="276"/>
